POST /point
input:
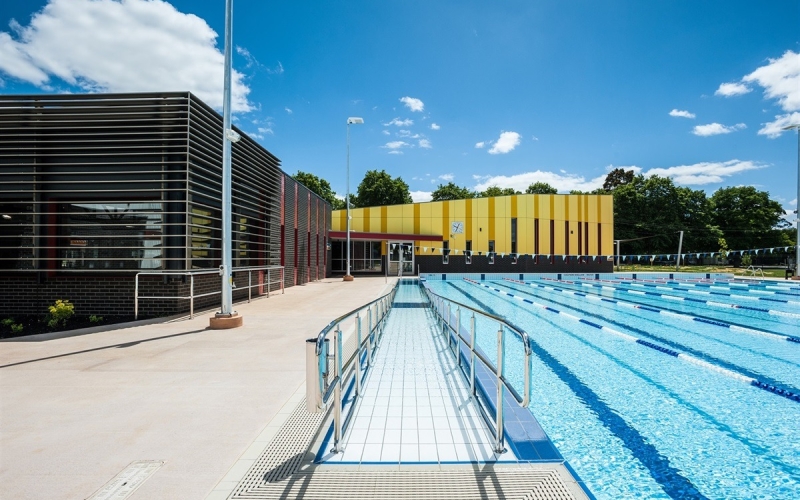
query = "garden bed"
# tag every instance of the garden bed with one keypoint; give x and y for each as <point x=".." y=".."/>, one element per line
<point x="36" y="324"/>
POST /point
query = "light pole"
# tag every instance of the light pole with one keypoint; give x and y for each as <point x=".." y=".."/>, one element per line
<point x="796" y="127"/>
<point x="352" y="120"/>
<point x="227" y="317"/>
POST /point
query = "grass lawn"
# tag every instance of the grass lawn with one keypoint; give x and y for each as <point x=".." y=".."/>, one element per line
<point x="737" y="271"/>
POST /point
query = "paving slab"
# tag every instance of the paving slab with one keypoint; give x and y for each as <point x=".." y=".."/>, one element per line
<point x="76" y="411"/>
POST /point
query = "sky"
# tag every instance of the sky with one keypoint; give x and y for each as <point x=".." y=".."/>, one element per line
<point x="474" y="92"/>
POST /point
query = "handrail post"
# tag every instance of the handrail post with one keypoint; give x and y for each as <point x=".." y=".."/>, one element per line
<point x="369" y="336"/>
<point x="499" y="438"/>
<point x="337" y="390"/>
<point x="472" y="361"/>
<point x="269" y="281"/>
<point x="458" y="332"/>
<point x="191" y="296"/>
<point x="136" y="297"/>
<point x="282" y="280"/>
<point x="249" y="285"/>
<point x="358" y="354"/>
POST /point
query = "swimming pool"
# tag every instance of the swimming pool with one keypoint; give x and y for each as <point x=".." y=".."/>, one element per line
<point x="650" y="395"/>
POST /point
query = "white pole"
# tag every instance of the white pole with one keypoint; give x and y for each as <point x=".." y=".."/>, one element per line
<point x="347" y="202"/>
<point x="227" y="292"/>
<point x="796" y="127"/>
<point x="680" y="246"/>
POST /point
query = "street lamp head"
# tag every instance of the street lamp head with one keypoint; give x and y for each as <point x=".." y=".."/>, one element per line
<point x="790" y="127"/>
<point x="355" y="120"/>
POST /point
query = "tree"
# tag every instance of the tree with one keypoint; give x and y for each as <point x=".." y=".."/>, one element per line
<point x="319" y="186"/>
<point x="450" y="191"/>
<point x="748" y="218"/>
<point x="618" y="177"/>
<point x="497" y="191"/>
<point x="541" y="188"/>
<point x="379" y="188"/>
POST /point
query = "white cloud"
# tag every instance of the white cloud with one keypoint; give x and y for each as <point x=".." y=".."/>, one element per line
<point x="780" y="79"/>
<point x="775" y="128"/>
<point x="732" y="89"/>
<point x="395" y="152"/>
<point x="265" y="130"/>
<point x="716" y="129"/>
<point x="400" y="123"/>
<point x="386" y="132"/>
<point x="520" y="182"/>
<point x="425" y="144"/>
<point x="705" y="172"/>
<point x="413" y="103"/>
<point x="636" y="170"/>
<point x="435" y="126"/>
<point x="407" y="133"/>
<point x="277" y="70"/>
<point x="446" y="177"/>
<point x="480" y="145"/>
<point x="120" y="46"/>
<point x="420" y="196"/>
<point x="681" y="113"/>
<point x="505" y="144"/>
<point x="396" y="145"/>
<point x="289" y="111"/>
<point x="534" y="138"/>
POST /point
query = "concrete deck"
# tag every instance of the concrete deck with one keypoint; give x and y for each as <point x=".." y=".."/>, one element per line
<point x="75" y="411"/>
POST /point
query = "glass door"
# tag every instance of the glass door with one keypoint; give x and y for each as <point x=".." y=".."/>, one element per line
<point x="401" y="258"/>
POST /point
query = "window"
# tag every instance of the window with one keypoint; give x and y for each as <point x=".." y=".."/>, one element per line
<point x="16" y="236"/>
<point x="468" y="253"/>
<point x="446" y="252"/>
<point x="364" y="256"/>
<point x="491" y="252"/>
<point x="124" y="236"/>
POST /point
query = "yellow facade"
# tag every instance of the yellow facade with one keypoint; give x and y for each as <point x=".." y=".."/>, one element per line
<point x="564" y="220"/>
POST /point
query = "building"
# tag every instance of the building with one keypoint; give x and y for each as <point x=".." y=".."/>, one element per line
<point x="525" y="233"/>
<point x="97" y="188"/>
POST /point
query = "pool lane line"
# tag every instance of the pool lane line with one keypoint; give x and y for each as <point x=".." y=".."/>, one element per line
<point x="670" y="478"/>
<point x="677" y="288"/>
<point x="669" y="312"/>
<point x="711" y="303"/>
<point x="649" y="337"/>
<point x="686" y="357"/>
<point x="742" y="287"/>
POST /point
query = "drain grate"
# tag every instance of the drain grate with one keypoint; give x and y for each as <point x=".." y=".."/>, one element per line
<point x="284" y="470"/>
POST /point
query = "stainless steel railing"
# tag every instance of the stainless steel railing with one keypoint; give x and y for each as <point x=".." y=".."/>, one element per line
<point x="191" y="274"/>
<point x="450" y="322"/>
<point x="320" y="385"/>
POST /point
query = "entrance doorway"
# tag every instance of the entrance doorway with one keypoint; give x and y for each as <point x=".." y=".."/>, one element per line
<point x="401" y="258"/>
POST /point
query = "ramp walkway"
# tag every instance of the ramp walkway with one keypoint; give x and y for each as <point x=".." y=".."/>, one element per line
<point x="413" y="429"/>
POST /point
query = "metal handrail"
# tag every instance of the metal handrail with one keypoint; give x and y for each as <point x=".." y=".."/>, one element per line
<point x="320" y="390"/>
<point x="753" y="270"/>
<point x="438" y="303"/>
<point x="200" y="272"/>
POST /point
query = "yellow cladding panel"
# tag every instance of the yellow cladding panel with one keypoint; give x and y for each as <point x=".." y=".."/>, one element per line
<point x="559" y="237"/>
<point x="572" y="202"/>
<point x="459" y="210"/>
<point x="445" y="221"/>
<point x="357" y="221"/>
<point x="593" y="246"/>
<point x="375" y="220"/>
<point x="573" y="237"/>
<point x="544" y="236"/>
<point x="607" y="238"/>
<point x="607" y="209"/>
<point x="367" y="221"/>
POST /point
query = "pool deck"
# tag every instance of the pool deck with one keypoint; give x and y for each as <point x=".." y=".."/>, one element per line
<point x="76" y="411"/>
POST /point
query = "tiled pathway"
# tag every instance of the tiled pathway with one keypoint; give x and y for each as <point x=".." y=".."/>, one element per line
<point x="415" y="405"/>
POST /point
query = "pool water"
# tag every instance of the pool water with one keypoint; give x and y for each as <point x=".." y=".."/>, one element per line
<point x="637" y="422"/>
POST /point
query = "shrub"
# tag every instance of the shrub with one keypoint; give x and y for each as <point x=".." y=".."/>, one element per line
<point x="7" y="322"/>
<point x="95" y="319"/>
<point x="747" y="260"/>
<point x="60" y="312"/>
<point x="17" y="328"/>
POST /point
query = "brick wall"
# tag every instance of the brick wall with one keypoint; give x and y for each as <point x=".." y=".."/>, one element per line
<point x="114" y="295"/>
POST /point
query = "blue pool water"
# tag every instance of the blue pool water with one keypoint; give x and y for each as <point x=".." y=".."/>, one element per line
<point x="637" y="422"/>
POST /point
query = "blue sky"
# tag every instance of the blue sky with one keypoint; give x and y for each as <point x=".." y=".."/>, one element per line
<point x="503" y="93"/>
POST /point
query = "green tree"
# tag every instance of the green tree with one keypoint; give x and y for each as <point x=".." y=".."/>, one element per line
<point x="450" y="191"/>
<point x="541" y="188"/>
<point x="618" y="177"/>
<point x="748" y="218"/>
<point x="319" y="186"/>
<point x="379" y="188"/>
<point x="497" y="191"/>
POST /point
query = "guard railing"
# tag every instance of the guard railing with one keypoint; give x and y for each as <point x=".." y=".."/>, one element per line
<point x="271" y="273"/>
<point x="321" y="385"/>
<point x="448" y="315"/>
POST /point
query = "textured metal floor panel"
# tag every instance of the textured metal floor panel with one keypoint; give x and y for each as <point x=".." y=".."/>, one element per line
<point x="285" y="470"/>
